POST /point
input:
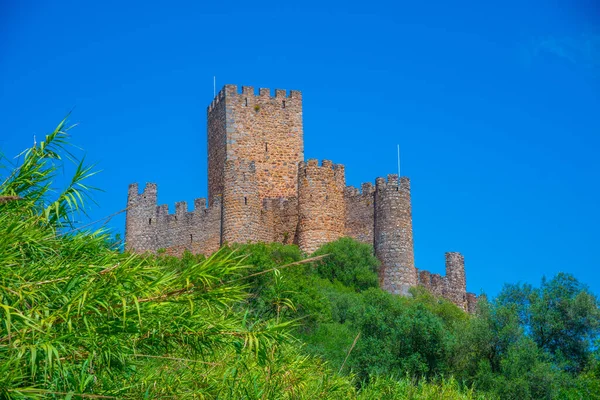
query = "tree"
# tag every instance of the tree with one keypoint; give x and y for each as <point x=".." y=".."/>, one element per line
<point x="562" y="317"/>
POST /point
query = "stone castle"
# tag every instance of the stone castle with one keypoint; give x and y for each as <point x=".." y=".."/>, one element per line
<point x="260" y="189"/>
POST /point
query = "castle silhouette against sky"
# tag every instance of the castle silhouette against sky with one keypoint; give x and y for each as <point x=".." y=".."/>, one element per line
<point x="260" y="189"/>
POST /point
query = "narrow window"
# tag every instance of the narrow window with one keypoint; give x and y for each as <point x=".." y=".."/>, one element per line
<point x="191" y="238"/>
<point x="266" y="147"/>
<point x="326" y="197"/>
<point x="245" y="200"/>
<point x="283" y="104"/>
<point x="150" y="221"/>
<point x="246" y="102"/>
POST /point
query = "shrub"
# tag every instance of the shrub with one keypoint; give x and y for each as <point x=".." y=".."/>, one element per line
<point x="350" y="262"/>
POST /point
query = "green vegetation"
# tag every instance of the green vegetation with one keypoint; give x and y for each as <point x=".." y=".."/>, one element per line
<point x="79" y="319"/>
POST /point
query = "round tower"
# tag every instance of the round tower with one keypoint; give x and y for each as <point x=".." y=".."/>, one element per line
<point x="241" y="203"/>
<point x="321" y="206"/>
<point x="393" y="235"/>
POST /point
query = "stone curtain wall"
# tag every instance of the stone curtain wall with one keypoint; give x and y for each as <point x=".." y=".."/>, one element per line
<point x="321" y="205"/>
<point x="360" y="212"/>
<point x="198" y="231"/>
<point x="393" y="235"/>
<point x="280" y="219"/>
<point x="265" y="129"/>
<point x="150" y="227"/>
<point x="452" y="286"/>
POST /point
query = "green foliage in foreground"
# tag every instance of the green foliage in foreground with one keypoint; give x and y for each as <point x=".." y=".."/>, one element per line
<point x="529" y="343"/>
<point x="81" y="320"/>
<point x="78" y="319"/>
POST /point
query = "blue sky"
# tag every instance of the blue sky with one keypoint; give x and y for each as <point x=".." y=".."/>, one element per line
<point x="496" y="108"/>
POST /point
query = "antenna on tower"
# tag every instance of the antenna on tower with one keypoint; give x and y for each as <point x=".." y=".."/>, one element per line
<point x="398" y="161"/>
<point x="214" y="86"/>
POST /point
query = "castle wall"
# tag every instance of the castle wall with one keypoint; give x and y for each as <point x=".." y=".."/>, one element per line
<point x="455" y="275"/>
<point x="471" y="303"/>
<point x="393" y="238"/>
<point x="360" y="212"/>
<point x="280" y="220"/>
<point x="438" y="285"/>
<point x="321" y="206"/>
<point x="452" y="286"/>
<point x="150" y="227"/>
<point x="198" y="231"/>
<point x="265" y="129"/>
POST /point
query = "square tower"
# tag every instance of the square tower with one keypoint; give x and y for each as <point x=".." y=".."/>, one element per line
<point x="263" y="129"/>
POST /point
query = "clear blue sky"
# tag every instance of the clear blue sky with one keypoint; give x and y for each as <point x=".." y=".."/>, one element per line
<point x="496" y="108"/>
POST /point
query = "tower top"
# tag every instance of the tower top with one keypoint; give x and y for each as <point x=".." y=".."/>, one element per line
<point x="249" y="91"/>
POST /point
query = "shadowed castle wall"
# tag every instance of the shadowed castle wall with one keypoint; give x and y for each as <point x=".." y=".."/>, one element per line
<point x="280" y="220"/>
<point x="360" y="212"/>
<point x="216" y="139"/>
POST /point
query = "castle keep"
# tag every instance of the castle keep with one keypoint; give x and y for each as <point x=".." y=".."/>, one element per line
<point x="260" y="189"/>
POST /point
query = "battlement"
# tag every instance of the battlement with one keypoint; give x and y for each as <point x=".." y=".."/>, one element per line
<point x="248" y="92"/>
<point x="366" y="189"/>
<point x="149" y="192"/>
<point x="327" y="169"/>
<point x="181" y="208"/>
<point x="393" y="183"/>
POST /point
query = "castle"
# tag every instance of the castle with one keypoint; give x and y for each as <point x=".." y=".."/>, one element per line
<point x="260" y="189"/>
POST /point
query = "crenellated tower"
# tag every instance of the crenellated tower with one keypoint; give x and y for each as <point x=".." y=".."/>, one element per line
<point x="393" y="235"/>
<point x="140" y="221"/>
<point x="321" y="207"/>
<point x="261" y="128"/>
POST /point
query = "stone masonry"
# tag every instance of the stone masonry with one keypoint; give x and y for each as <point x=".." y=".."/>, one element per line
<point x="260" y="189"/>
<point x="393" y="240"/>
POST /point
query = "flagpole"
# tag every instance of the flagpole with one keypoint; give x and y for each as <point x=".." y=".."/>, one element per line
<point x="398" y="161"/>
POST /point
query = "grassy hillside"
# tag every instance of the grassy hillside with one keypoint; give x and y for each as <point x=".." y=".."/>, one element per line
<point x="80" y="319"/>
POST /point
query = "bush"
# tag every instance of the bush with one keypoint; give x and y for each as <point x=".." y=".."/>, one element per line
<point x="350" y="262"/>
